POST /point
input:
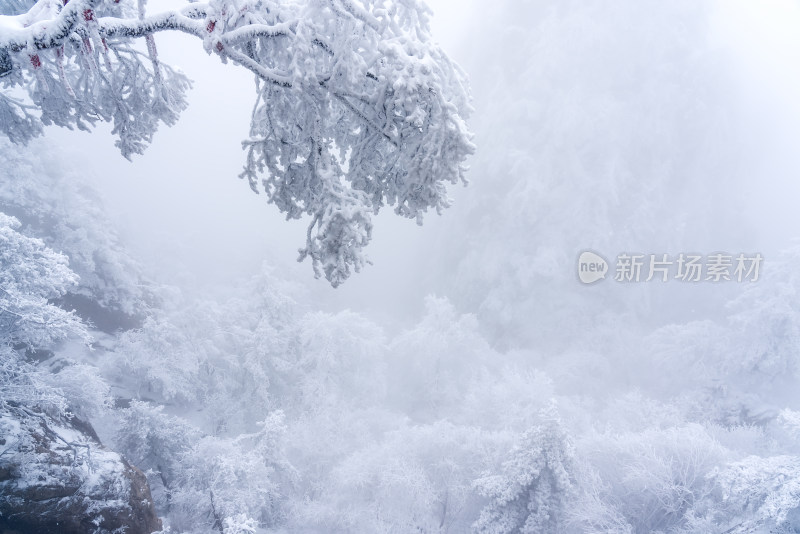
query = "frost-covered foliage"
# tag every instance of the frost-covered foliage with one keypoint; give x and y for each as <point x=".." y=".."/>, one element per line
<point x="413" y="479"/>
<point x="743" y="364"/>
<point x="755" y="494"/>
<point x="429" y="363"/>
<point x="473" y="444"/>
<point x="644" y="481"/>
<point x="202" y="483"/>
<point x="25" y="384"/>
<point x="534" y="491"/>
<point x="261" y="414"/>
<point x="75" y="76"/>
<point x="221" y="359"/>
<point x="53" y="204"/>
<point x="210" y="371"/>
<point x="356" y="106"/>
<point x="30" y="276"/>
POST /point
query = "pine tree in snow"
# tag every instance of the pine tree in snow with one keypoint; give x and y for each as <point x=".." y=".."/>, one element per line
<point x="531" y="494"/>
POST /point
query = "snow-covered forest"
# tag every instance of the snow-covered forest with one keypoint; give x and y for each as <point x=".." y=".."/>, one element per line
<point x="167" y="366"/>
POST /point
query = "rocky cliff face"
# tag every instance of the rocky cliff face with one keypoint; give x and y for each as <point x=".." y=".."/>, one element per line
<point x="55" y="476"/>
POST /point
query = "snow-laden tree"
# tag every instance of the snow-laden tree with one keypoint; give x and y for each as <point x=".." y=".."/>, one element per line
<point x="201" y="483"/>
<point x="755" y="494"/>
<point x="156" y="443"/>
<point x="356" y="106"/>
<point x="226" y="360"/>
<point x="415" y="478"/>
<point x="31" y="275"/>
<point x="54" y="204"/>
<point x="434" y="364"/>
<point x="643" y="481"/>
<point x="223" y="482"/>
<point x="739" y="369"/>
<point x="536" y="485"/>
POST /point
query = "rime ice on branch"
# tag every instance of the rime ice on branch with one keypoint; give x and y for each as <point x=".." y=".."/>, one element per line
<point x="356" y="107"/>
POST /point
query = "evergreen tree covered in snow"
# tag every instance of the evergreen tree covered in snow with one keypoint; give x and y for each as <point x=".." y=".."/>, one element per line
<point x="535" y="487"/>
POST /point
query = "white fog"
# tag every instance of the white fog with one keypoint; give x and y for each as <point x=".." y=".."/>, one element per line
<point x="167" y="365"/>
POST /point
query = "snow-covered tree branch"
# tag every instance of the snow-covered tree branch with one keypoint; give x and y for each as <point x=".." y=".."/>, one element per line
<point x="356" y="106"/>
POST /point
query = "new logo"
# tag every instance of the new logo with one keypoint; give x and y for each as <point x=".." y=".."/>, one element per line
<point x="591" y="267"/>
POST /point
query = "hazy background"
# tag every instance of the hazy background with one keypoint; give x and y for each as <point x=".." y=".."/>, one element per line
<point x="185" y="214"/>
<point x="638" y="126"/>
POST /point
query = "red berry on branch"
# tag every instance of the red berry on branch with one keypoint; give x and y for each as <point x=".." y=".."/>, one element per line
<point x="35" y="61"/>
<point x="88" y="15"/>
<point x="210" y="27"/>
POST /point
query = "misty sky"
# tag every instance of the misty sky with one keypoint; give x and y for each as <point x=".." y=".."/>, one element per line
<point x="190" y="220"/>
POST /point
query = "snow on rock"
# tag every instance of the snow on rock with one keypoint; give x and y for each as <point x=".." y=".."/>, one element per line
<point x="55" y="476"/>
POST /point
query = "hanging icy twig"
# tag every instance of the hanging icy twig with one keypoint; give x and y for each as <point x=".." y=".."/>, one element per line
<point x="357" y="108"/>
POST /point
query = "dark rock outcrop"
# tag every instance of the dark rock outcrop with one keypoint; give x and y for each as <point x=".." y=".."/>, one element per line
<point x="55" y="476"/>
